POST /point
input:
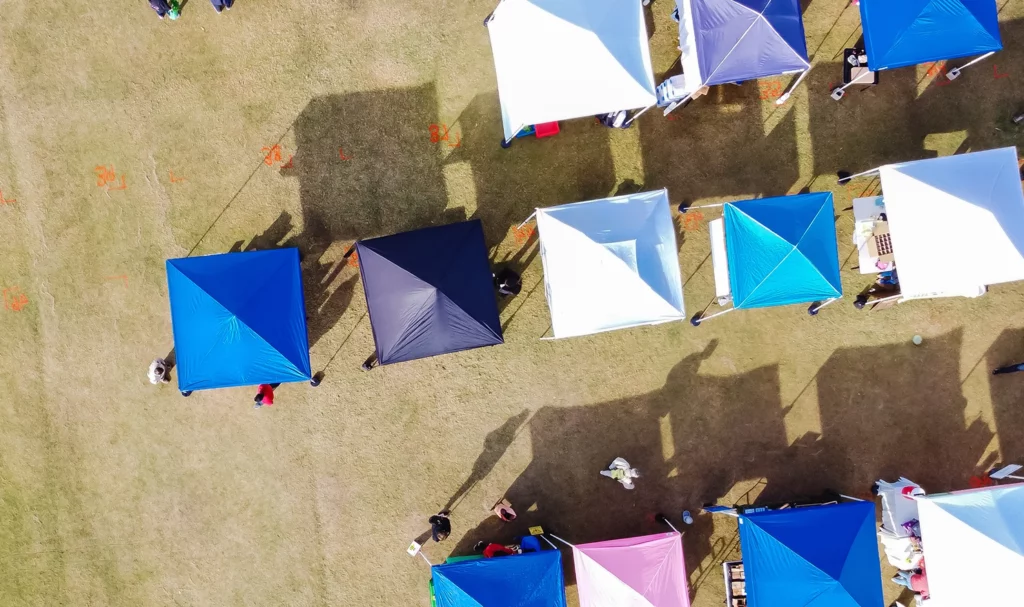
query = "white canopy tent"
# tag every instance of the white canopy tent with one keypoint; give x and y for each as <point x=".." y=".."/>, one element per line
<point x="563" y="59"/>
<point x="610" y="264"/>
<point x="956" y="222"/>
<point x="973" y="544"/>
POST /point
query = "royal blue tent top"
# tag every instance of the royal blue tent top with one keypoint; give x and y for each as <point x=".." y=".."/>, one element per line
<point x="782" y="250"/>
<point x="239" y="319"/>
<point x="816" y="556"/>
<point x="429" y="292"/>
<point x="740" y="40"/>
<point x="898" y="33"/>
<point x="532" y="579"/>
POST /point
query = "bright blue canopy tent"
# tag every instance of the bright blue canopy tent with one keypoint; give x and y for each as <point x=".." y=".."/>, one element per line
<point x="782" y="250"/>
<point x="532" y="579"/>
<point x="814" y="556"/>
<point x="899" y="33"/>
<point x="239" y="319"/>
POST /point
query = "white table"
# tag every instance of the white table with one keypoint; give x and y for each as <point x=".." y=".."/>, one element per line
<point x="865" y="213"/>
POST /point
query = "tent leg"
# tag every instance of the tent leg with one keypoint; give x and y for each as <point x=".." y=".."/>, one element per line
<point x="699" y="318"/>
<point x="785" y="96"/>
<point x="848" y="178"/>
<point x="661" y="518"/>
<point x="635" y="116"/>
<point x="316" y="379"/>
<point x="677" y="104"/>
<point x="370" y="362"/>
<point x="550" y="543"/>
<point x="813" y="309"/>
<point x="186" y="393"/>
<point x="838" y="93"/>
<point x="954" y="73"/>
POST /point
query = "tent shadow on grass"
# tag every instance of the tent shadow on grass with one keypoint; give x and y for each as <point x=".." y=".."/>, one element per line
<point x="714" y="428"/>
<point x="573" y="166"/>
<point x="324" y="304"/>
<point x="890" y="122"/>
<point x="885" y="412"/>
<point x="1007" y="393"/>
<point x="716" y="146"/>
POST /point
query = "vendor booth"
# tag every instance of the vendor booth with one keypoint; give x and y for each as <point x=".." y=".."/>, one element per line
<point x="824" y="555"/>
<point x="610" y="264"/>
<point x="946" y="226"/>
<point x="729" y="41"/>
<point x="563" y="59"/>
<point x="530" y="579"/>
<point x="645" y="571"/>
<point x="429" y="292"/>
<point x="973" y="544"/>
<point x="900" y="34"/>
<point x="239" y="319"/>
<point x="775" y="252"/>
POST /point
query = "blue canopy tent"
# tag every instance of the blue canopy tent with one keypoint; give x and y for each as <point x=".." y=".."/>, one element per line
<point x="813" y="556"/>
<point x="429" y="292"/>
<point x="775" y="252"/>
<point x="532" y="579"/>
<point x="239" y="319"/>
<point x="910" y="32"/>
<point x="725" y="41"/>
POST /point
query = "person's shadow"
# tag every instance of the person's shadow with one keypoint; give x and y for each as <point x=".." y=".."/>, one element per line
<point x="495" y="445"/>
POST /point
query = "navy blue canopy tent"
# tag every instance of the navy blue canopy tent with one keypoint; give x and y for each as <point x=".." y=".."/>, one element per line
<point x="908" y="32"/>
<point x="239" y="319"/>
<point x="429" y="292"/>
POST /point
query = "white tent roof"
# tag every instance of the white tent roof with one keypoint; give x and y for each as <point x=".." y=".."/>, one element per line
<point x="562" y="59"/>
<point x="971" y="539"/>
<point x="956" y="222"/>
<point x="610" y="264"/>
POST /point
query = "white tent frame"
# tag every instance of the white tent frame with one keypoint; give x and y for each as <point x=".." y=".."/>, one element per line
<point x="900" y="297"/>
<point x="507" y="140"/>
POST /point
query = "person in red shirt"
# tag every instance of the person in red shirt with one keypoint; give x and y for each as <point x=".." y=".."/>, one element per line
<point x="265" y="395"/>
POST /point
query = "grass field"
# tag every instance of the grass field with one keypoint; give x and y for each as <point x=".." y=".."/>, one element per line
<point x="116" y="492"/>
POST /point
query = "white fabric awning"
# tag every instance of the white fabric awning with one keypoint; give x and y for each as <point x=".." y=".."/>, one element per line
<point x="610" y="264"/>
<point x="970" y="540"/>
<point x="956" y="222"/>
<point x="563" y="59"/>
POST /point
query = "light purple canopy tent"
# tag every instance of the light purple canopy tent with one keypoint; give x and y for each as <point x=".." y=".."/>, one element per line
<point x="645" y="571"/>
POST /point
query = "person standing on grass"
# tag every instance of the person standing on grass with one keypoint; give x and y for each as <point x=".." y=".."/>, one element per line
<point x="220" y="5"/>
<point x="265" y="395"/>
<point x="440" y="526"/>
<point x="161" y="7"/>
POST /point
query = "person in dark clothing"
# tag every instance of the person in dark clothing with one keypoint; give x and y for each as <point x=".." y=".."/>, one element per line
<point x="1009" y="369"/>
<point x="161" y="7"/>
<point x="220" y="5"/>
<point x="508" y="283"/>
<point x="440" y="526"/>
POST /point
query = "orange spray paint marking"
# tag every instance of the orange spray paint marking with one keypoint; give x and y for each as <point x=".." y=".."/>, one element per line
<point x="522" y="235"/>
<point x="341" y="154"/>
<point x="458" y="142"/>
<point x="14" y="299"/>
<point x="770" y="90"/>
<point x="353" y="259"/>
<point x="176" y="179"/>
<point x="6" y="201"/>
<point x="122" y="277"/>
<point x="692" y="220"/>
<point x="996" y="74"/>
<point x="271" y="154"/>
<point x="106" y="177"/>
<point x="291" y="162"/>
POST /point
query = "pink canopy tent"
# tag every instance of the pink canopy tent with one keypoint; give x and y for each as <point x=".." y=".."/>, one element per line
<point x="644" y="571"/>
